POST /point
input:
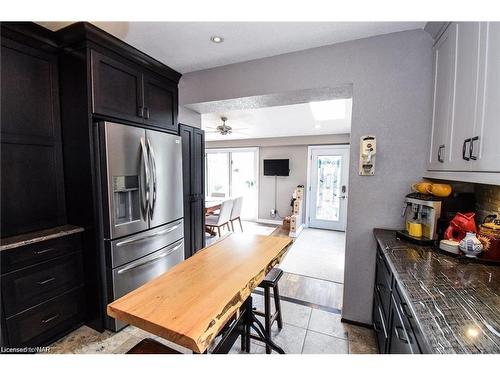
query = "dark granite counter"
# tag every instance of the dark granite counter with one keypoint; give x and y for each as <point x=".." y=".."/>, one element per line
<point x="455" y="302"/>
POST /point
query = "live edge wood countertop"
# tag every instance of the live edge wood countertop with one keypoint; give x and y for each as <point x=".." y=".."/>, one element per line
<point x="191" y="303"/>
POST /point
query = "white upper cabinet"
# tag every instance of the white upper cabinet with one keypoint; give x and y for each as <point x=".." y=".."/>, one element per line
<point x="466" y="114"/>
<point x="486" y="134"/>
<point x="465" y="96"/>
<point x="444" y="74"/>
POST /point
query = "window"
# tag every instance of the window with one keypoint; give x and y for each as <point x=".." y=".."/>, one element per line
<point x="232" y="173"/>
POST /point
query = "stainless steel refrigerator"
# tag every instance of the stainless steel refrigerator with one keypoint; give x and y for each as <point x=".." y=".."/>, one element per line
<point x="142" y="192"/>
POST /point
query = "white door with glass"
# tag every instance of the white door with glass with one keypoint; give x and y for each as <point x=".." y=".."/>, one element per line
<point x="232" y="173"/>
<point x="328" y="174"/>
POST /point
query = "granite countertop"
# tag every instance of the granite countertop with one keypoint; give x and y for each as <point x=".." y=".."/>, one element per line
<point x="38" y="236"/>
<point x="455" y="301"/>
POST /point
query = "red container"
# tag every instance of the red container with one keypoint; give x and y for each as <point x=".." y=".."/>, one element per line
<point x="460" y="225"/>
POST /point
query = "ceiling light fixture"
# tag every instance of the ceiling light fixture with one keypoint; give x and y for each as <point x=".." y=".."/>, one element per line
<point x="328" y="109"/>
<point x="217" y="39"/>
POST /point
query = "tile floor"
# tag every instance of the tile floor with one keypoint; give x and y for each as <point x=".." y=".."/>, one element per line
<point x="305" y="330"/>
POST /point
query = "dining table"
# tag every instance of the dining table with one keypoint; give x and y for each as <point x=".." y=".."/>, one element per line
<point x="212" y="205"/>
<point x="204" y="303"/>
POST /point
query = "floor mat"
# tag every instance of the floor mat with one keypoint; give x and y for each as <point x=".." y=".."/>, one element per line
<point x="317" y="253"/>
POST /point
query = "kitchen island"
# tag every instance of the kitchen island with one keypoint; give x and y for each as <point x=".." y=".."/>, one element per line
<point x="192" y="303"/>
<point x="428" y="302"/>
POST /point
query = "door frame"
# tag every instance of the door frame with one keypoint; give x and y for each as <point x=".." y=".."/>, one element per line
<point x="230" y="150"/>
<point x="309" y="170"/>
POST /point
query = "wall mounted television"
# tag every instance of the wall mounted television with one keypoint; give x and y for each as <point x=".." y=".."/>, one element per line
<point x="276" y="167"/>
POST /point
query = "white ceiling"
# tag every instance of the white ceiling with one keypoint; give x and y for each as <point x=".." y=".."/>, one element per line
<point x="279" y="121"/>
<point x="186" y="46"/>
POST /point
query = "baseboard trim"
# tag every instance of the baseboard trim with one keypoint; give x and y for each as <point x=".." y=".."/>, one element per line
<point x="355" y="323"/>
<point x="268" y="221"/>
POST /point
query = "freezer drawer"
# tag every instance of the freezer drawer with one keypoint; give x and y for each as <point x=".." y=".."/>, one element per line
<point x="135" y="274"/>
<point x="130" y="248"/>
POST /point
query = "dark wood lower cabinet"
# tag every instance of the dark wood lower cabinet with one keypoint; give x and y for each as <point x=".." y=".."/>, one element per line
<point x="193" y="156"/>
<point x="42" y="291"/>
<point x="392" y="319"/>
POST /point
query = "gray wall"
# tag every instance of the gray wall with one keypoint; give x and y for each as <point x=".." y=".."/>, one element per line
<point x="187" y="116"/>
<point x="293" y="148"/>
<point x="392" y="79"/>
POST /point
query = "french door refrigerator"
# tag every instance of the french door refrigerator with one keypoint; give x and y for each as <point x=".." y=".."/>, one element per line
<point x="142" y="192"/>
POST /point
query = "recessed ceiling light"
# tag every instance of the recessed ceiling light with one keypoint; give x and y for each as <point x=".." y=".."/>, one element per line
<point x="217" y="39"/>
<point x="328" y="109"/>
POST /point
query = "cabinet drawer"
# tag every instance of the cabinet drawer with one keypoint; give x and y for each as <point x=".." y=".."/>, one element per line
<point x="403" y="340"/>
<point x="47" y="320"/>
<point x="379" y="325"/>
<point x="28" y="255"/>
<point x="33" y="285"/>
<point x="383" y="284"/>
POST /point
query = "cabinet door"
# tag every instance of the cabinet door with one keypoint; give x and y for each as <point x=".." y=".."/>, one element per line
<point x="466" y="88"/>
<point x="444" y="73"/>
<point x="116" y="89"/>
<point x="160" y="103"/>
<point x="32" y="181"/>
<point x="486" y="149"/>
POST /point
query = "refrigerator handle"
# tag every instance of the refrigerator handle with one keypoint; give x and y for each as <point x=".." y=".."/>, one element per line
<point x="145" y="188"/>
<point x="152" y="158"/>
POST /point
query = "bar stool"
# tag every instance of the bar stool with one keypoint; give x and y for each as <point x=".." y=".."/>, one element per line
<point x="270" y="282"/>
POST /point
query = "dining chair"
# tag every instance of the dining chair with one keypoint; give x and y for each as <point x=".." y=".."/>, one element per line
<point x="236" y="212"/>
<point x="222" y="219"/>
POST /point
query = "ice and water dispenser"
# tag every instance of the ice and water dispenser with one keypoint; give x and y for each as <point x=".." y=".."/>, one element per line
<point x="126" y="199"/>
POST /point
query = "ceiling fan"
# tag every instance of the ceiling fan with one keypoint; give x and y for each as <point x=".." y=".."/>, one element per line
<point x="224" y="129"/>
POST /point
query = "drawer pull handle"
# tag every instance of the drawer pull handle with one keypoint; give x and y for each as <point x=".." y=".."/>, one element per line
<point x="397" y="329"/>
<point x="48" y="320"/>
<point x="404" y="309"/>
<point x="46" y="281"/>
<point x="471" y="149"/>
<point x="376" y="327"/>
<point x="44" y="251"/>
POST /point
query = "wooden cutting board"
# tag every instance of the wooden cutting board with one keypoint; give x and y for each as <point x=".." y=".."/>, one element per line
<point x="191" y="303"/>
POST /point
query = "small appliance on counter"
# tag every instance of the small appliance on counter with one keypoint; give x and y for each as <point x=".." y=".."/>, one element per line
<point x="433" y="213"/>
<point x="421" y="213"/>
<point x="489" y="235"/>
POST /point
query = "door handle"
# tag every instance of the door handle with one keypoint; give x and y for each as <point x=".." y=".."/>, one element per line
<point x="397" y="329"/>
<point x="146" y="187"/>
<point x="44" y="251"/>
<point x="152" y="159"/>
<point x="160" y="233"/>
<point x="440" y="159"/>
<point x="53" y="317"/>
<point x="471" y="148"/>
<point x="46" y="281"/>
<point x="146" y="113"/>
<point x="155" y="259"/>
<point x="464" y="148"/>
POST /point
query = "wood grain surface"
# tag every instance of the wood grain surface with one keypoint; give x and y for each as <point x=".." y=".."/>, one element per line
<point x="191" y="303"/>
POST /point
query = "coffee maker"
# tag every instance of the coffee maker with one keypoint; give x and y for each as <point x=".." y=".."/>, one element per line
<point x="423" y="211"/>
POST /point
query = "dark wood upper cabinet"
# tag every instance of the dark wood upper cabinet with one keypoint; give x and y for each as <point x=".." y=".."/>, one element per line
<point x="160" y="99"/>
<point x="116" y="88"/>
<point x="28" y="80"/>
<point x="125" y="91"/>
<point x="31" y="162"/>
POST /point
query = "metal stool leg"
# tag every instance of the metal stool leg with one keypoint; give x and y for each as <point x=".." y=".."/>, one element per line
<point x="267" y="315"/>
<point x="277" y="305"/>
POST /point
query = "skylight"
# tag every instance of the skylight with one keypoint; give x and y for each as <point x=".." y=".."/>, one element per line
<point x="328" y="109"/>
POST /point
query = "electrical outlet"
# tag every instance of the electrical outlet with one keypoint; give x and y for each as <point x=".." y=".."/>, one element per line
<point x="273" y="212"/>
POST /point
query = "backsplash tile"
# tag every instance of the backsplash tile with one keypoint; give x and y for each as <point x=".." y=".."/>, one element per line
<point x="487" y="200"/>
